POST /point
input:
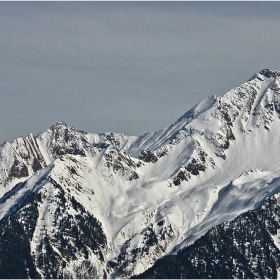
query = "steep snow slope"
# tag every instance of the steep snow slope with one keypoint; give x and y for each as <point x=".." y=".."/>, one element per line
<point x="245" y="248"/>
<point x="153" y="194"/>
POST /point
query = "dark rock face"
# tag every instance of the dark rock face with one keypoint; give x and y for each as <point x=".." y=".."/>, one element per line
<point x="28" y="151"/>
<point x="243" y="248"/>
<point x="76" y="234"/>
<point x="26" y="159"/>
<point x="38" y="159"/>
<point x="18" y="170"/>
<point x="148" y="156"/>
<point x="116" y="161"/>
<point x="270" y="73"/>
<point x="182" y="175"/>
<point x="171" y="267"/>
<point x="134" y="176"/>
<point x="156" y="238"/>
<point x="194" y="165"/>
<point x="15" y="252"/>
<point x="65" y="141"/>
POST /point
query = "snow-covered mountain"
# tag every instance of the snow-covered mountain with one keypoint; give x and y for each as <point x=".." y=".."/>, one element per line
<point x="108" y="205"/>
<point x="247" y="247"/>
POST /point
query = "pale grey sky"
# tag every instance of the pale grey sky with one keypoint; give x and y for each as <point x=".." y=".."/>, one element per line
<point x="130" y="67"/>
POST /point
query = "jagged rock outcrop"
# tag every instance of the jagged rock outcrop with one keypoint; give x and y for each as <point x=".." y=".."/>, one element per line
<point x="19" y="160"/>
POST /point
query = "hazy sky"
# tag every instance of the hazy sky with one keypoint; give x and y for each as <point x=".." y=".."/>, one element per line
<point x="130" y="67"/>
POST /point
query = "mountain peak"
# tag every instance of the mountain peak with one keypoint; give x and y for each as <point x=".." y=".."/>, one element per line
<point x="270" y="73"/>
<point x="60" y="124"/>
<point x="265" y="73"/>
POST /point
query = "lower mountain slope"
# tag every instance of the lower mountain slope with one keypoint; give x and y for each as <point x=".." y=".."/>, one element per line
<point x="247" y="247"/>
<point x="76" y="220"/>
<point x="47" y="233"/>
